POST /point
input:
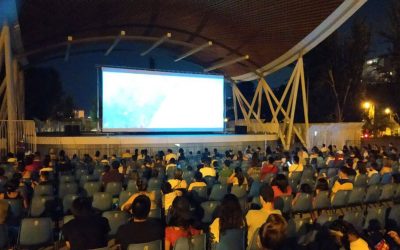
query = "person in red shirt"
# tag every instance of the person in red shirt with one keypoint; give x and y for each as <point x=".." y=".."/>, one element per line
<point x="268" y="168"/>
<point x="281" y="186"/>
<point x="181" y="222"/>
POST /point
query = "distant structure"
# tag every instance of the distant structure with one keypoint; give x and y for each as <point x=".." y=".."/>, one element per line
<point x="378" y="70"/>
<point x="79" y="114"/>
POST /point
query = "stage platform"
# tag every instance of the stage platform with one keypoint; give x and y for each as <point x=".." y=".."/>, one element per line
<point x="119" y="143"/>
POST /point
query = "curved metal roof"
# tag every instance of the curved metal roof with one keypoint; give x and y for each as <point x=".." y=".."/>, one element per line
<point x="266" y="30"/>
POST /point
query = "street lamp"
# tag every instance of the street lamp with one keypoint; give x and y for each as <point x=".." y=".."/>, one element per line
<point x="366" y="105"/>
<point x="388" y="111"/>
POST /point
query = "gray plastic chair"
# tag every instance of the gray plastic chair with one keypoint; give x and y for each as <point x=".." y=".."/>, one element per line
<point x="387" y="192"/>
<point x="232" y="239"/>
<point x="326" y="218"/>
<point x="155" y="213"/>
<point x="197" y="242"/>
<point x="209" y="209"/>
<point x="218" y="191"/>
<point x="322" y="200"/>
<point x="114" y="188"/>
<point x="356" y="196"/>
<point x="375" y="213"/>
<point x="303" y="204"/>
<point x="355" y="218"/>
<point x="35" y="232"/>
<point x="361" y="181"/>
<point x="102" y="201"/>
<point x="254" y="189"/>
<point x="132" y="187"/>
<point x="340" y="199"/>
<point x="38" y="205"/>
<point x="373" y="194"/>
<point x="374" y="180"/>
<point x="67" y="202"/>
<point x="67" y="178"/>
<point x="386" y="178"/>
<point x="115" y="220"/>
<point x="16" y="207"/>
<point x="200" y="192"/>
<point x="154" y="245"/>
<point x="90" y="188"/>
<point x="283" y="203"/>
<point x="67" y="188"/>
<point x="154" y="184"/>
<point x="124" y="196"/>
<point x="239" y="191"/>
<point x="394" y="214"/>
<point x="43" y="190"/>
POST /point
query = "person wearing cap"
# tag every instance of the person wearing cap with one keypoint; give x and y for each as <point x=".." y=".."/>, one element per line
<point x="343" y="183"/>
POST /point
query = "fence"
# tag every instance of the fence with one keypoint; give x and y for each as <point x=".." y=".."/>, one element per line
<point x="17" y="136"/>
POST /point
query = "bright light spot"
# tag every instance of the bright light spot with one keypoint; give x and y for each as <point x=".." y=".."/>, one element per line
<point x="391" y="73"/>
<point x="226" y="120"/>
<point x="387" y="111"/>
<point x="315" y="133"/>
<point x="178" y="145"/>
<point x="366" y="105"/>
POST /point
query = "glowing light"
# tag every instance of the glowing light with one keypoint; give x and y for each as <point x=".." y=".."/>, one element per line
<point x="387" y="111"/>
<point x="226" y="120"/>
<point x="366" y="105"/>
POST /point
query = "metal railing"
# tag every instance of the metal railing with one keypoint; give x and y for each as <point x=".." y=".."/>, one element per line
<point x="17" y="136"/>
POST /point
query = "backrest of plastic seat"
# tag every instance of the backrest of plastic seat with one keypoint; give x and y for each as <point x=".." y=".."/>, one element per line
<point x="200" y="192"/>
<point x="91" y="188"/>
<point x="340" y="198"/>
<point x="209" y="209"/>
<point x="394" y="214"/>
<point x="386" y="178"/>
<point x="374" y="179"/>
<point x="113" y="188"/>
<point x="387" y="192"/>
<point x="155" y="213"/>
<point x="132" y="187"/>
<point x="218" y="192"/>
<point x="43" y="190"/>
<point x="102" y="201"/>
<point x="356" y="196"/>
<point x="35" y="231"/>
<point x="197" y="242"/>
<point x="373" y="193"/>
<point x="16" y="207"/>
<point x="154" y="184"/>
<point x="238" y="191"/>
<point x="115" y="220"/>
<point x="322" y="200"/>
<point x="254" y="189"/>
<point x="355" y="218"/>
<point x="232" y="239"/>
<point x="67" y="178"/>
<point x="361" y="180"/>
<point x="67" y="201"/>
<point x="303" y="204"/>
<point x="377" y="214"/>
<point x="38" y="205"/>
<point x="154" y="245"/>
<point x="124" y="196"/>
<point x="67" y="188"/>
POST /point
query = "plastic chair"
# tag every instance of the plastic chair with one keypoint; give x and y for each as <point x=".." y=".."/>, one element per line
<point x="322" y="200"/>
<point x="124" y="196"/>
<point x="102" y="201"/>
<point x="218" y="191"/>
<point x="67" y="179"/>
<point x="200" y="192"/>
<point x="340" y="199"/>
<point x="87" y="178"/>
<point x="209" y="209"/>
<point x="154" y="245"/>
<point x="35" y="232"/>
<point x="115" y="220"/>
<point x="394" y="214"/>
<point x="361" y="181"/>
<point x="80" y="172"/>
<point x="67" y="202"/>
<point x="155" y="213"/>
<point x="16" y="207"/>
<point x="210" y="180"/>
<point x="375" y="214"/>
<point x="284" y="203"/>
<point x="132" y="187"/>
<point x="332" y="172"/>
<point x="154" y="184"/>
<point x="232" y="239"/>
<point x="298" y="227"/>
<point x="113" y="188"/>
<point x="386" y="178"/>
<point x="90" y="188"/>
<point x="43" y="190"/>
<point x="356" y="196"/>
<point x="67" y="188"/>
<point x="373" y="194"/>
<point x="239" y="191"/>
<point x="197" y="242"/>
<point x="303" y="204"/>
<point x="254" y="189"/>
<point x="355" y="218"/>
<point x="374" y="180"/>
<point x="387" y="192"/>
<point x="38" y="205"/>
<point x="324" y="219"/>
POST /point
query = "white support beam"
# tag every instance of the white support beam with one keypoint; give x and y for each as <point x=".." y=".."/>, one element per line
<point x="69" y="41"/>
<point x="115" y="43"/>
<point x="194" y="51"/>
<point x="157" y="43"/>
<point x="234" y="101"/>
<point x="227" y="63"/>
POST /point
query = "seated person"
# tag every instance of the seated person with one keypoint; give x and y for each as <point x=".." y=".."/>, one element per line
<point x="255" y="218"/>
<point x="181" y="223"/>
<point x="87" y="230"/>
<point x="169" y="196"/>
<point x="373" y="169"/>
<point x="343" y="183"/>
<point x="207" y="169"/>
<point x="142" y="189"/>
<point x="171" y="164"/>
<point x="178" y="182"/>
<point x="238" y="179"/>
<point x="12" y="192"/>
<point x="304" y="189"/>
<point x="112" y="175"/>
<point x="296" y="166"/>
<point x="281" y="186"/>
<point x="268" y="168"/>
<point x="272" y="234"/>
<point x="140" y="229"/>
<point x="225" y="171"/>
<point x="199" y="182"/>
<point x="347" y="235"/>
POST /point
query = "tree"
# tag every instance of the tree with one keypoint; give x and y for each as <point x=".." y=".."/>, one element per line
<point x="338" y="64"/>
<point x="43" y="92"/>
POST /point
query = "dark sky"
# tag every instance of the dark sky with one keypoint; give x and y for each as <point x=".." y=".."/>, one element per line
<point x="79" y="76"/>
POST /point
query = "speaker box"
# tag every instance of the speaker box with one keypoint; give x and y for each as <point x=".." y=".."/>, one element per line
<point x="72" y="130"/>
<point x="241" y="130"/>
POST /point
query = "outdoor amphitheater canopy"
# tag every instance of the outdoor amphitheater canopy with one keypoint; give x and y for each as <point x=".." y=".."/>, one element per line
<point x="271" y="32"/>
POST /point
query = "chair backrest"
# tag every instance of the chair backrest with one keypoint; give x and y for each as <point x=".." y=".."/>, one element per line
<point x="155" y="213"/>
<point x="361" y="180"/>
<point x="102" y="201"/>
<point x="232" y="239"/>
<point x="197" y="242"/>
<point x="35" y="232"/>
<point x="386" y="178"/>
<point x="154" y="184"/>
<point x="16" y="207"/>
<point x="326" y="218"/>
<point x="113" y="188"/>
<point x="38" y="205"/>
<point x="43" y="190"/>
<point x="67" y="218"/>
<point x="374" y="179"/>
<point x="303" y="204"/>
<point x="268" y="178"/>
<point x="239" y="191"/>
<point x="322" y="200"/>
<point x="154" y="245"/>
<point x="209" y="209"/>
<point x="218" y="191"/>
<point x="132" y="187"/>
<point x="254" y="189"/>
<point x="87" y="178"/>
<point x="394" y="214"/>
<point x="373" y="193"/>
<point x="67" y="178"/>
<point x="375" y="213"/>
<point x="67" y="188"/>
<point x="200" y="192"/>
<point x="387" y="192"/>
<point x="210" y="180"/>
<point x="355" y="218"/>
<point x="67" y="201"/>
<point x="124" y="196"/>
<point x="340" y="199"/>
<point x="332" y="171"/>
<point x="90" y="188"/>
<point x="115" y="220"/>
<point x="356" y="196"/>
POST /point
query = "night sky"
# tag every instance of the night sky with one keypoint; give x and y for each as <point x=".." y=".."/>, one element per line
<point x="79" y="76"/>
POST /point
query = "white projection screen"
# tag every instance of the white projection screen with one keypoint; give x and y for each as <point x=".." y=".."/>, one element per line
<point x="154" y="101"/>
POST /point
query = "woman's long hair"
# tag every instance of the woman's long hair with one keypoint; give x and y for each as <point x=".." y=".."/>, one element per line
<point x="180" y="213"/>
<point x="230" y="214"/>
<point x="281" y="182"/>
<point x="239" y="175"/>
